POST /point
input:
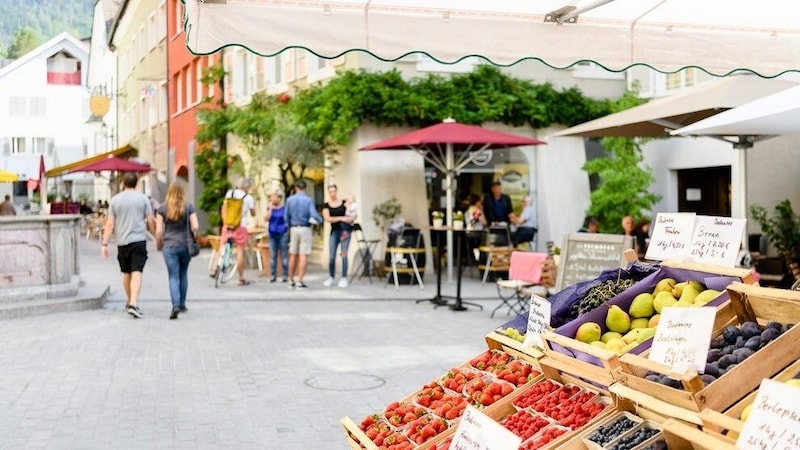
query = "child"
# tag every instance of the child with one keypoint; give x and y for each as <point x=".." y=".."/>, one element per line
<point x="351" y="206"/>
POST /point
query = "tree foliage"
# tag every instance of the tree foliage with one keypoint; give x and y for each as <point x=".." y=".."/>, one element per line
<point x="624" y="181"/>
<point x="782" y="226"/>
<point x="46" y="19"/>
<point x="25" y="40"/>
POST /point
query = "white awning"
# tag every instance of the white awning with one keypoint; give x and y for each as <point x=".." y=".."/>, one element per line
<point x="719" y="36"/>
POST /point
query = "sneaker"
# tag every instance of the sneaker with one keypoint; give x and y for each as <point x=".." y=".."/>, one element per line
<point x="174" y="314"/>
<point x="328" y="282"/>
<point x="291" y="285"/>
<point x="285" y="280"/>
<point x="273" y="279"/>
<point x="135" y="312"/>
<point x="343" y="283"/>
<point x="183" y="309"/>
<point x="300" y="285"/>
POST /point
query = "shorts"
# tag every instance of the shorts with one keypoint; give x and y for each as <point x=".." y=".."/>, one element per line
<point x="240" y="236"/>
<point x="132" y="257"/>
<point x="300" y="240"/>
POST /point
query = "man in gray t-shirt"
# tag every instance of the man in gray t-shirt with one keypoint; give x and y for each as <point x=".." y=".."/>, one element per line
<point x="130" y="216"/>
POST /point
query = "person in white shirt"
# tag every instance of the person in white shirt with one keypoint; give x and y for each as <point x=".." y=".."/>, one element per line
<point x="527" y="223"/>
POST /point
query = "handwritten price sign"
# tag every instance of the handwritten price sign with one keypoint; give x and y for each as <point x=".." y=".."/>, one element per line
<point x="682" y="338"/>
<point x="774" y="422"/>
<point x="538" y="321"/>
<point x="716" y="240"/>
<point x="477" y="431"/>
<point x="672" y="236"/>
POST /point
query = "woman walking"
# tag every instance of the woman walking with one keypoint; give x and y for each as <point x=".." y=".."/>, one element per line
<point x="335" y="212"/>
<point x="174" y="220"/>
<point x="278" y="236"/>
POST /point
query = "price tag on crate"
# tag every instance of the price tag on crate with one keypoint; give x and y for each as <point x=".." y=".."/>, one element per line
<point x="538" y="321"/>
<point x="477" y="431"/>
<point x="774" y="421"/>
<point x="672" y="235"/>
<point x="716" y="240"/>
<point x="683" y="337"/>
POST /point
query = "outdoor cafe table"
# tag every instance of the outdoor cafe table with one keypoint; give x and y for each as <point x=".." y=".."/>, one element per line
<point x="460" y="242"/>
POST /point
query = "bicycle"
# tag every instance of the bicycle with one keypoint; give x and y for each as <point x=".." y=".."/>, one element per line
<point x="226" y="265"/>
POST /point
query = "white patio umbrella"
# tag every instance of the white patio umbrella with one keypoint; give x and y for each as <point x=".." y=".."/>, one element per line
<point x="719" y="36"/>
<point x="769" y="116"/>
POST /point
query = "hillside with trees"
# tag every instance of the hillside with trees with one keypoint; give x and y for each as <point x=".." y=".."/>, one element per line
<point x="45" y="18"/>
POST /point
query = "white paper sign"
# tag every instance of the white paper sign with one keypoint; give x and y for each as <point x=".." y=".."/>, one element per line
<point x="477" y="431"/>
<point x="774" y="421"/>
<point x="716" y="240"/>
<point x="682" y="338"/>
<point x="671" y="237"/>
<point x="538" y="321"/>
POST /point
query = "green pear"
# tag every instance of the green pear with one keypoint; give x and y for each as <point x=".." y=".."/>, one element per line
<point x="698" y="286"/>
<point x="705" y="297"/>
<point x="632" y="335"/>
<point x="654" y="321"/>
<point x="677" y="290"/>
<point x="615" y="345"/>
<point x="618" y="320"/>
<point x="588" y="332"/>
<point x="682" y="304"/>
<point x="641" y="322"/>
<point x="609" y="335"/>
<point x="629" y="346"/>
<point x="598" y="344"/>
<point x="665" y="284"/>
<point x="645" y="334"/>
<point x="662" y="300"/>
<point x="642" y="306"/>
<point x="689" y="294"/>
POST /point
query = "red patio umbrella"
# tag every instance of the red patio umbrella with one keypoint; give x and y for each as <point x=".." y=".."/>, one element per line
<point x="114" y="164"/>
<point x="440" y="143"/>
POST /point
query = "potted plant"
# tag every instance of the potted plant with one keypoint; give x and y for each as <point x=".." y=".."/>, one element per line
<point x="458" y="220"/>
<point x="384" y="213"/>
<point x="783" y="230"/>
<point x="438" y="219"/>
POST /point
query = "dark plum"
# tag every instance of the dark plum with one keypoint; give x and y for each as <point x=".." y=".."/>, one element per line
<point x="750" y="329"/>
<point x="730" y="333"/>
<point x="713" y="355"/>
<point x="754" y="343"/>
<point x="728" y="349"/>
<point x="740" y="342"/>
<point x="718" y="342"/>
<point x="654" y="377"/>
<point x="707" y="379"/>
<point x="712" y="369"/>
<point x="726" y="361"/>
<point x="741" y="354"/>
<point x="769" y="335"/>
<point x="775" y="325"/>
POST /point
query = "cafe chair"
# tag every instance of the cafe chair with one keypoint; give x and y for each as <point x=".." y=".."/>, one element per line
<point x="404" y="251"/>
<point x="495" y="253"/>
<point x="524" y="278"/>
<point x="365" y="254"/>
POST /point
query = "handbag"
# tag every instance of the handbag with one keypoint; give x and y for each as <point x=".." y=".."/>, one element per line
<point x="191" y="241"/>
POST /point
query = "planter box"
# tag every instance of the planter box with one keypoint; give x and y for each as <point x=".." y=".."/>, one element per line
<point x="749" y="303"/>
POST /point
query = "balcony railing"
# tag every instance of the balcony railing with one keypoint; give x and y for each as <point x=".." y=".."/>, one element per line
<point x="73" y="78"/>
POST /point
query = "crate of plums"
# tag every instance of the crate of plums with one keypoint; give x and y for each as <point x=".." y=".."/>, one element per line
<point x="591" y="344"/>
<point x="758" y="340"/>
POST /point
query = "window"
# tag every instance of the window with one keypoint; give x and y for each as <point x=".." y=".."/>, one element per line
<point x="152" y="31"/>
<point x="278" y="69"/>
<point x="17" y="107"/>
<point x="198" y="73"/>
<point x="142" y="39"/>
<point x="179" y="92"/>
<point x="39" y="146"/>
<point x="301" y="63"/>
<point x="289" y="66"/>
<point x="209" y="64"/>
<point x="186" y="87"/>
<point x="426" y="64"/>
<point x="178" y="16"/>
<point x="38" y="106"/>
<point x="673" y="80"/>
<point x="163" y="99"/>
<point x="18" y="145"/>
<point x="161" y="23"/>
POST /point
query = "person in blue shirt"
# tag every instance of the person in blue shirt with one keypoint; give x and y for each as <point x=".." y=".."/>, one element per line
<point x="299" y="214"/>
<point x="278" y="236"/>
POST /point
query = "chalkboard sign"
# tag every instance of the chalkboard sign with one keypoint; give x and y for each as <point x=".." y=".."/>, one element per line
<point x="585" y="255"/>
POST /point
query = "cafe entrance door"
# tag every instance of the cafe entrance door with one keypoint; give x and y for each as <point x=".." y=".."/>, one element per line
<point x="705" y="191"/>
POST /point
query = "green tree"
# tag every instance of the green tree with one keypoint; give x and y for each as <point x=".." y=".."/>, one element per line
<point x="25" y="40"/>
<point x="625" y="181"/>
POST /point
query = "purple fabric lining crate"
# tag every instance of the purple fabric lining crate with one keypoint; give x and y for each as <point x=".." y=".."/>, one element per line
<point x="624" y="300"/>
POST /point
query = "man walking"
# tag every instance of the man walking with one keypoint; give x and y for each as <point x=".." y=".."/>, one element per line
<point x="130" y="217"/>
<point x="300" y="211"/>
<point x="7" y="207"/>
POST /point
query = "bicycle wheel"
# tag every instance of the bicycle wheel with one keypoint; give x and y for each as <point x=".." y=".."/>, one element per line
<point x="229" y="269"/>
<point x="224" y="257"/>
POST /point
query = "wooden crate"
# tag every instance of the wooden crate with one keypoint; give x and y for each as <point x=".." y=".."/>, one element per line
<point x="680" y="435"/>
<point x="746" y="275"/>
<point x="596" y="366"/>
<point x="499" y="341"/>
<point x="749" y="303"/>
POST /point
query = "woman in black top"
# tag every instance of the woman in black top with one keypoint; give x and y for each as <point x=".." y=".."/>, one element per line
<point x="335" y="213"/>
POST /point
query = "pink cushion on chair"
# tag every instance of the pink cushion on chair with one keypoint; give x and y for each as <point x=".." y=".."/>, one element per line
<point x="526" y="267"/>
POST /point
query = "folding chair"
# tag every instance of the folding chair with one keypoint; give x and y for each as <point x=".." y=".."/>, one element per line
<point x="524" y="272"/>
<point x="365" y="253"/>
<point x="406" y="249"/>
<point x="497" y="249"/>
